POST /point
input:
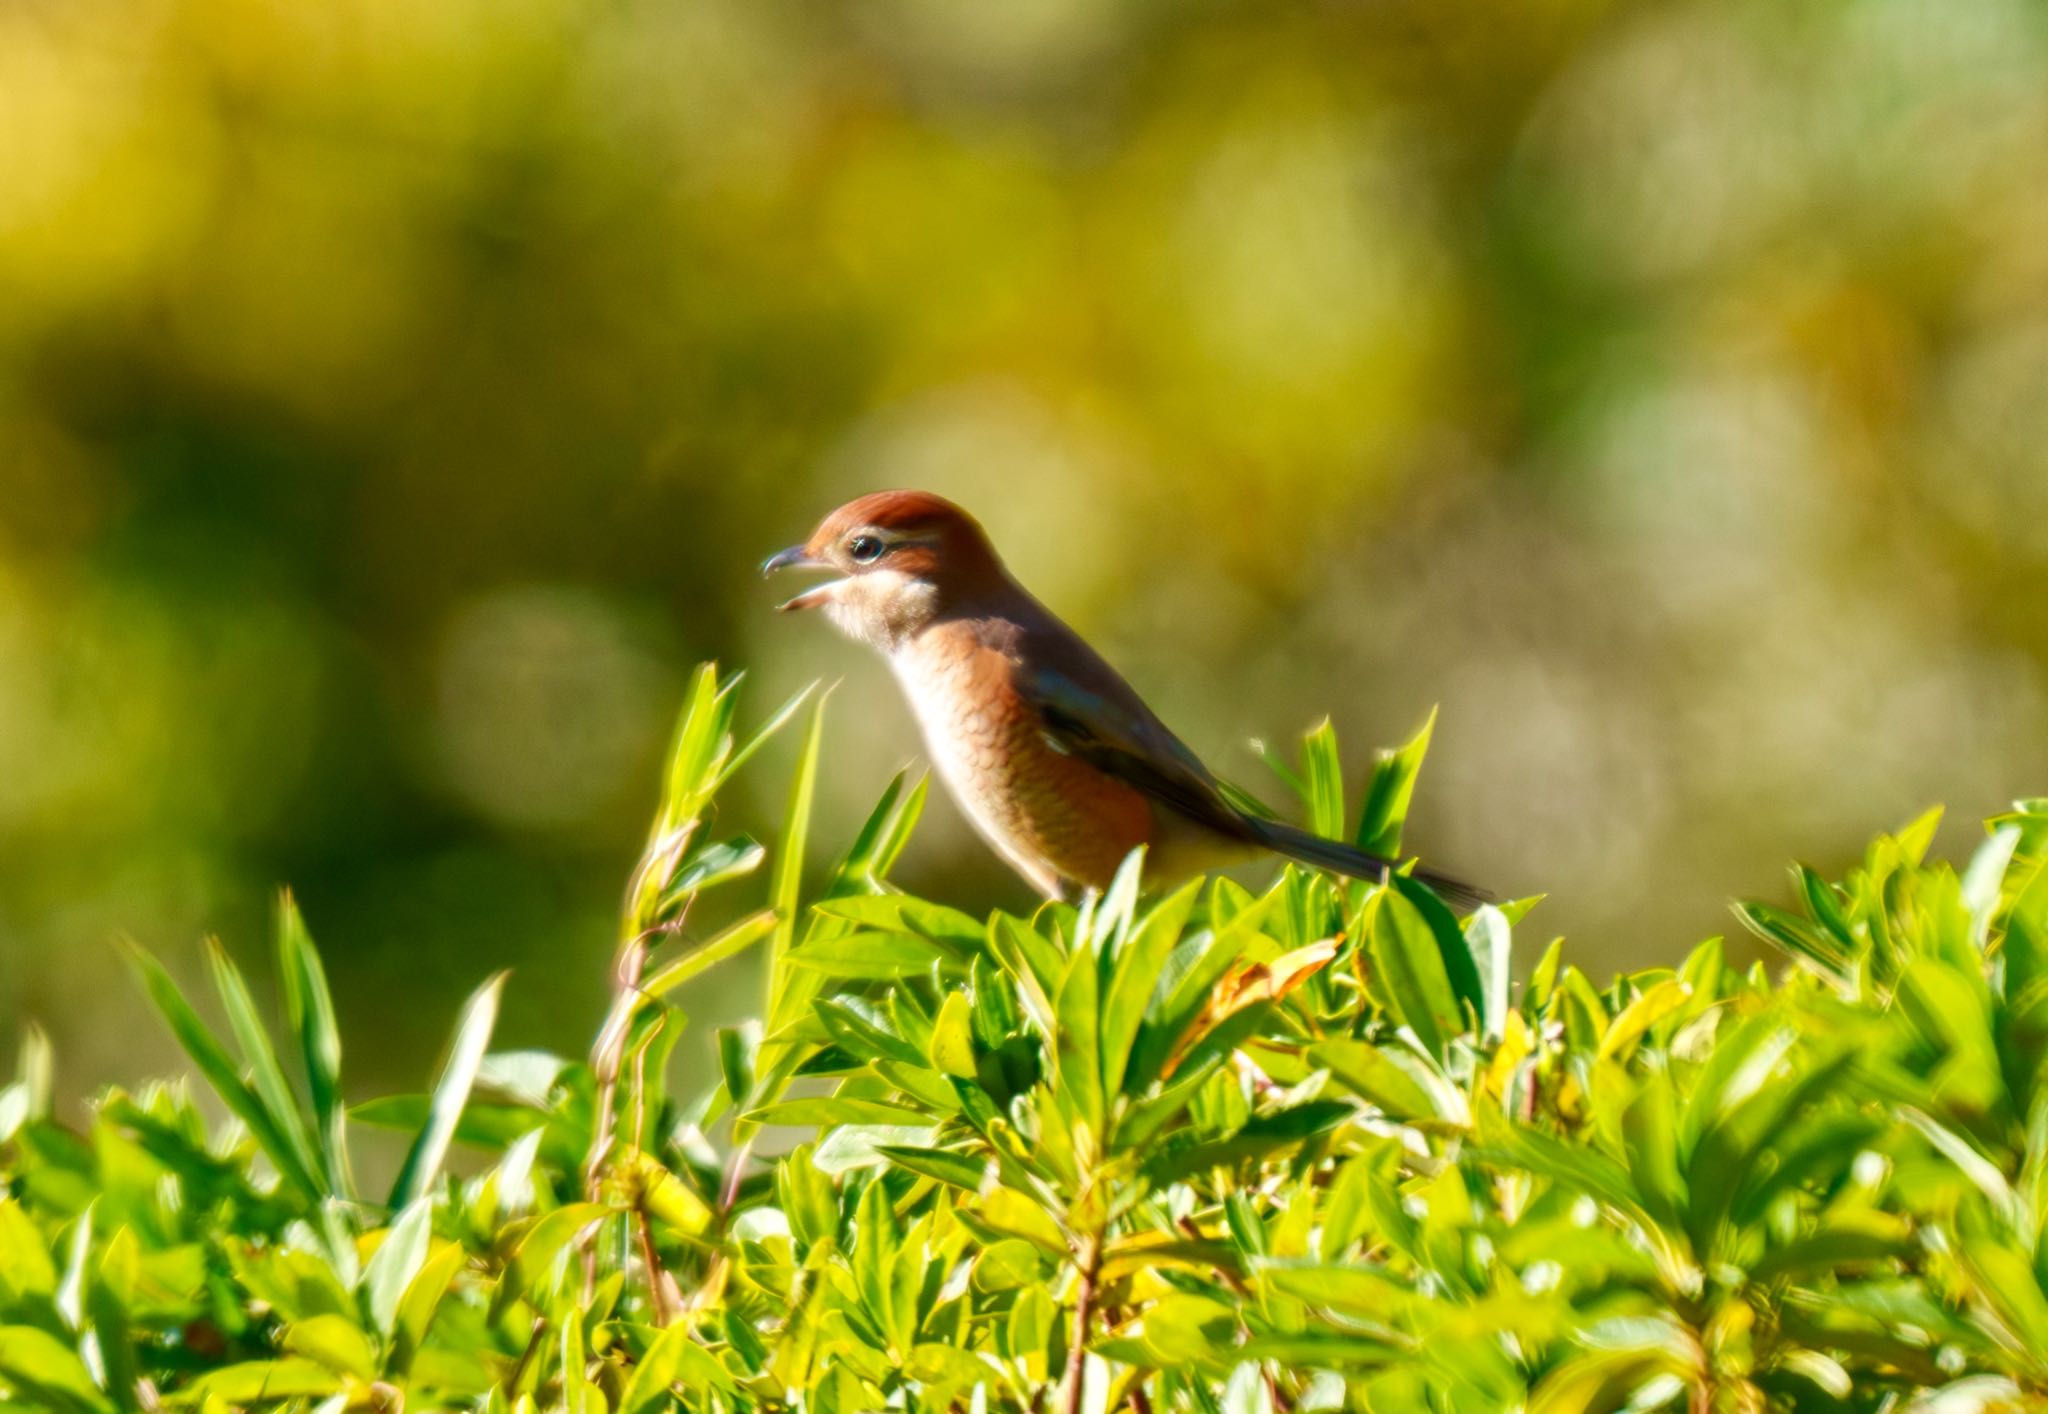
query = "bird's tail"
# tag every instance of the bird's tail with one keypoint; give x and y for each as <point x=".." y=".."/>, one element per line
<point x="1358" y="863"/>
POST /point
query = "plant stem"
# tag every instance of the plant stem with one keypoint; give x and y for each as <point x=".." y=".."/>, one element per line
<point x="1084" y="1310"/>
<point x="606" y="1058"/>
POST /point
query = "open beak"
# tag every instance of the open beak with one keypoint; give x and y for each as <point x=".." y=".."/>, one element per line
<point x="796" y="557"/>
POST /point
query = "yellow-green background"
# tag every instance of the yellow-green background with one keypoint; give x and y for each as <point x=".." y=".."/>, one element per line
<point x="395" y="399"/>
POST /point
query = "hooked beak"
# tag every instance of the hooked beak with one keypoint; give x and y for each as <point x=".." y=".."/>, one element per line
<point x="797" y="557"/>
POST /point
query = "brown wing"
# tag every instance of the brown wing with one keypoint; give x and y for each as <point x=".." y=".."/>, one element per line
<point x="1123" y="739"/>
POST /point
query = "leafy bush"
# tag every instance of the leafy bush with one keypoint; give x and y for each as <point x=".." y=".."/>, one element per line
<point x="1305" y="1148"/>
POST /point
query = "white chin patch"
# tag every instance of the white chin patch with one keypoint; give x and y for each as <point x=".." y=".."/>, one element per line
<point x="879" y="608"/>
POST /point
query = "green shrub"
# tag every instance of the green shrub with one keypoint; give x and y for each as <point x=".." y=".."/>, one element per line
<point x="1305" y="1148"/>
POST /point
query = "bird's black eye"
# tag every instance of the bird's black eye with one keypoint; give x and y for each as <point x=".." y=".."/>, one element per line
<point x="865" y="549"/>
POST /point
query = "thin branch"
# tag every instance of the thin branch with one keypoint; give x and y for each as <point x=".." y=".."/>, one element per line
<point x="607" y="1056"/>
<point x="1084" y="1309"/>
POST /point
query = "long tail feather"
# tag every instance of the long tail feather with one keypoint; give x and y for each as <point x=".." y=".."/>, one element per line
<point x="1348" y="859"/>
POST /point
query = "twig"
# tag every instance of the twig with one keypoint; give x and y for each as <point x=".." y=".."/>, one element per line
<point x="656" y="1279"/>
<point x="1084" y="1303"/>
<point x="735" y="1174"/>
<point x="540" y="1326"/>
<point x="606" y="1057"/>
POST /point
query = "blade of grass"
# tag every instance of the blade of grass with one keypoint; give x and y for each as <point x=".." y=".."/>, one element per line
<point x="1323" y="771"/>
<point x="395" y="1263"/>
<point x="1388" y="794"/>
<point x="691" y="760"/>
<point x="744" y="752"/>
<point x="309" y="1010"/>
<point x="786" y="883"/>
<point x="451" y="1092"/>
<point x="266" y="1074"/>
<point x="901" y="824"/>
<point x="220" y="1071"/>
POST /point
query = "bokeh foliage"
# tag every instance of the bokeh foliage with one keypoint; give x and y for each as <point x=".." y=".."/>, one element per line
<point x="1202" y="1149"/>
<point x="393" y="399"/>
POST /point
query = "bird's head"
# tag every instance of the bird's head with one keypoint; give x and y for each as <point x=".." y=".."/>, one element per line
<point x="899" y="559"/>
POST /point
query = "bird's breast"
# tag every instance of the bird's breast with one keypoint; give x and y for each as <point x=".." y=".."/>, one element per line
<point x="1046" y="811"/>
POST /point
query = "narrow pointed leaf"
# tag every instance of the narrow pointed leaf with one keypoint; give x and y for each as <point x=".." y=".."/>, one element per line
<point x="451" y="1093"/>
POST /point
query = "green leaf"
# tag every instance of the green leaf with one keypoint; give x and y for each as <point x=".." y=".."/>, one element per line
<point x="1354" y="1290"/>
<point x="1639" y="1016"/>
<point x="1080" y="1048"/>
<point x="1009" y="1265"/>
<point x="2010" y="1283"/>
<point x="736" y="1049"/>
<point x="1011" y="1213"/>
<point x="952" y="1044"/>
<point x="1392" y="788"/>
<point x="1032" y="959"/>
<point x="1107" y="919"/>
<point x="905" y="913"/>
<point x="729" y="942"/>
<point x="941" y="1367"/>
<point x="855" y="1026"/>
<point x="804" y="1193"/>
<point x="699" y="748"/>
<point x="664" y="1197"/>
<point x="1987" y="1177"/>
<point x="25" y="1265"/>
<point x="333" y="1341"/>
<point x="674" y="1358"/>
<point x="714" y="864"/>
<point x="959" y="1170"/>
<point x="395" y="1263"/>
<point x="579" y="1396"/>
<point x="1488" y="937"/>
<point x="539" y="1247"/>
<point x="482" y="1126"/>
<point x="1402" y="1085"/>
<point x="222" y="1074"/>
<point x="1138" y="971"/>
<point x="871" y="956"/>
<point x="309" y="1010"/>
<point x="880" y="839"/>
<point x="1459" y="965"/>
<point x="876" y="1240"/>
<point x="1917" y="835"/>
<point x="1743" y="1062"/>
<point x="786" y="881"/>
<point x="828" y="1110"/>
<point x="421" y="1302"/>
<point x="1186" y="1329"/>
<point x="451" y="1093"/>
<point x="1323" y="776"/>
<point x="776" y="721"/>
<point x="1409" y="965"/>
<point x="260" y="1380"/>
<point x="1831" y="1250"/>
<point x="1809" y="946"/>
<point x="268" y="1076"/>
<point x="1983" y="880"/>
<point x="36" y="1363"/>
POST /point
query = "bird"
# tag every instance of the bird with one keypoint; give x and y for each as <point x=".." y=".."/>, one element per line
<point x="1053" y="757"/>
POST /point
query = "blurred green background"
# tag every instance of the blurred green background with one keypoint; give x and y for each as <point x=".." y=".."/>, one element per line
<point x="395" y="401"/>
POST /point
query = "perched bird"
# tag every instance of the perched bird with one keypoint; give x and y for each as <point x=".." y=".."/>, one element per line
<point x="1052" y="755"/>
